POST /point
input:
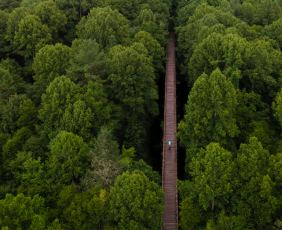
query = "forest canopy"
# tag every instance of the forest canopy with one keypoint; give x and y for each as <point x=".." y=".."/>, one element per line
<point x="78" y="98"/>
<point x="229" y="56"/>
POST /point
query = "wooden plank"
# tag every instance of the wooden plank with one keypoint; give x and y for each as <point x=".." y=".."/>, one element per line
<point x="169" y="164"/>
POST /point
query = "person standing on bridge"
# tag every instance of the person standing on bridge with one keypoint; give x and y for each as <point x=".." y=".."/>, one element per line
<point x="169" y="143"/>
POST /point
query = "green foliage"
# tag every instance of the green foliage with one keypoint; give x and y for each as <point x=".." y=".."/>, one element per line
<point x="3" y="27"/>
<point x="135" y="202"/>
<point x="10" y="81"/>
<point x="31" y="36"/>
<point x="50" y="15"/>
<point x="263" y="68"/>
<point x="103" y="159"/>
<point x="260" y="12"/>
<point x="108" y="27"/>
<point x="154" y="49"/>
<point x="17" y="112"/>
<point x="242" y="40"/>
<point x="75" y="10"/>
<point x="67" y="105"/>
<point x="15" y="143"/>
<point x="212" y="171"/>
<point x="190" y="215"/>
<point x="67" y="160"/>
<point x="87" y="60"/>
<point x="50" y="62"/>
<point x="21" y="212"/>
<point x="146" y="169"/>
<point x="133" y="88"/>
<point x="82" y="210"/>
<point x="28" y="172"/>
<point x="217" y="51"/>
<point x="210" y="189"/>
<point x="277" y="107"/>
<point x="274" y="31"/>
<point x="205" y="20"/>
<point x="147" y="21"/>
<point x="210" y="112"/>
<point x="13" y="21"/>
<point x="64" y="109"/>
<point x="254" y="200"/>
<point x="8" y="4"/>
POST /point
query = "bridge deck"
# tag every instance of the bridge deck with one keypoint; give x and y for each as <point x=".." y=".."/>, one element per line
<point x="169" y="167"/>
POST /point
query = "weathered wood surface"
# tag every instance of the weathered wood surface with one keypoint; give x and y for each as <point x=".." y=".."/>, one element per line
<point x="169" y="165"/>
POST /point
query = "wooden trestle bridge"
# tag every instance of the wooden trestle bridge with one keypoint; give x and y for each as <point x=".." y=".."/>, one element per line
<point x="169" y="163"/>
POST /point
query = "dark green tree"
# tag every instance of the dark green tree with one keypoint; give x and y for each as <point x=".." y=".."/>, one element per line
<point x="87" y="60"/>
<point x="52" y="16"/>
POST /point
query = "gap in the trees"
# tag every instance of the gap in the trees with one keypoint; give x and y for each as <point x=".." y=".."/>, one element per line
<point x="155" y="133"/>
<point x="182" y="95"/>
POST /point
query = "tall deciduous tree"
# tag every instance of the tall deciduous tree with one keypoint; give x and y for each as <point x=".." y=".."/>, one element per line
<point x="87" y="60"/>
<point x="108" y="27"/>
<point x="68" y="106"/>
<point x="133" y="88"/>
<point x="67" y="160"/>
<point x="82" y="210"/>
<point x="20" y="212"/>
<point x="154" y="49"/>
<point x="52" y="16"/>
<point x="210" y="112"/>
<point x="217" y="51"/>
<point x="135" y="202"/>
<point x="50" y="62"/>
<point x="31" y="36"/>
<point x="212" y="171"/>
<point x="253" y="200"/>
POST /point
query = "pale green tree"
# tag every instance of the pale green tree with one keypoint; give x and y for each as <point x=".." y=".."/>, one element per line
<point x="217" y="51"/>
<point x="136" y="203"/>
<point x="50" y="62"/>
<point x="108" y="27"/>
<point x="212" y="172"/>
<point x="254" y="200"/>
<point x="210" y="112"/>
<point x="31" y="36"/>
<point x="64" y="108"/>
<point x="154" y="49"/>
<point x="22" y="212"/>
<point x="67" y="159"/>
<point x="82" y="210"/>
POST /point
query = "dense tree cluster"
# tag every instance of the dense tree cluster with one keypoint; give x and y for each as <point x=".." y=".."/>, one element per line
<point x="229" y="53"/>
<point x="78" y="94"/>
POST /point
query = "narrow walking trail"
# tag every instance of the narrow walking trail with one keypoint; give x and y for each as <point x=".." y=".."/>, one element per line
<point x="169" y="165"/>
